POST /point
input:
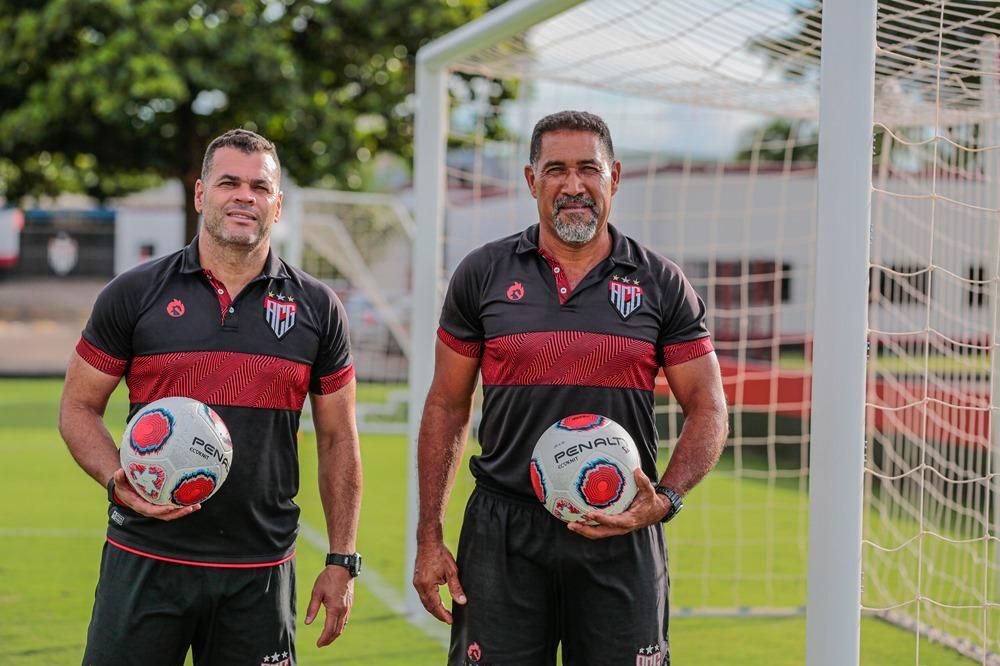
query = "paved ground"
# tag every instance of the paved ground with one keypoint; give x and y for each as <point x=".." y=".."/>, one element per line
<point x="40" y="322"/>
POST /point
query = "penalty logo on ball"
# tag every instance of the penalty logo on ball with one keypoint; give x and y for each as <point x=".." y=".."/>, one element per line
<point x="148" y="477"/>
<point x="565" y="510"/>
<point x="151" y="431"/>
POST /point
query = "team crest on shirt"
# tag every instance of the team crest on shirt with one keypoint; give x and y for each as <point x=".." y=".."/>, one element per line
<point x="625" y="294"/>
<point x="277" y="659"/>
<point x="279" y="313"/>
<point x="649" y="656"/>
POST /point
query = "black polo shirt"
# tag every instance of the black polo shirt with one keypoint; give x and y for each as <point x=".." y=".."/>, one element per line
<point x="547" y="352"/>
<point x="172" y="329"/>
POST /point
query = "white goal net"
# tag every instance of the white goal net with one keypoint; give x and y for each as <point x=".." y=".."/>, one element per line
<point x="930" y="538"/>
<point x="714" y="109"/>
<point x="361" y="245"/>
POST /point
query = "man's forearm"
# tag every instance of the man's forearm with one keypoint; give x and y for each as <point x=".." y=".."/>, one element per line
<point x="340" y="493"/>
<point x="89" y="442"/>
<point x="443" y="432"/>
<point x="698" y="449"/>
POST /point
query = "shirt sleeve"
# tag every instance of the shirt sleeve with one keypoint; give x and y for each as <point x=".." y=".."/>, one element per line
<point x="106" y="342"/>
<point x="683" y="334"/>
<point x="461" y="326"/>
<point x="334" y="365"/>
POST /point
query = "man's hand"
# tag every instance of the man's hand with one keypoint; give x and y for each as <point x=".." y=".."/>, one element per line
<point x="334" y="589"/>
<point x="647" y="508"/>
<point x="435" y="567"/>
<point x="126" y="496"/>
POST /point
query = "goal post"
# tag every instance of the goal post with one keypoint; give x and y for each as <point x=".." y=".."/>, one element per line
<point x="989" y="52"/>
<point x="836" y="454"/>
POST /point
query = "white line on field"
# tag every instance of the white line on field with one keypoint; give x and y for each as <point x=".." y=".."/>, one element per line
<point x="382" y="590"/>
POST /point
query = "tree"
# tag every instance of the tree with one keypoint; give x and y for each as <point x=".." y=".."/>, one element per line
<point x="107" y="96"/>
<point x="908" y="33"/>
<point x="775" y="143"/>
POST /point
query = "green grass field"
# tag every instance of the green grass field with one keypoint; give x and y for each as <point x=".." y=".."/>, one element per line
<point x="51" y="532"/>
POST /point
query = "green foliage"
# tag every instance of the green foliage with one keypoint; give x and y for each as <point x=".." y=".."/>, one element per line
<point x="775" y="143"/>
<point x="101" y="96"/>
<point x="912" y="29"/>
<point x="908" y="33"/>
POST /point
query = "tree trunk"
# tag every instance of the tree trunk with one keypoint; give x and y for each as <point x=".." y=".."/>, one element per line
<point x="190" y="214"/>
<point x="190" y="150"/>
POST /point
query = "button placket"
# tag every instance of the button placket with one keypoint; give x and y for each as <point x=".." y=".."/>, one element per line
<point x="562" y="284"/>
<point x="225" y="301"/>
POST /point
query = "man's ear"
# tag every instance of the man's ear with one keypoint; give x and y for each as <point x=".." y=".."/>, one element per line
<point x="616" y="175"/>
<point x="529" y="176"/>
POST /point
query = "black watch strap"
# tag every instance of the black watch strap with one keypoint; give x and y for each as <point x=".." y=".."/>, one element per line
<point x="111" y="490"/>
<point x="676" y="503"/>
<point x="350" y="562"/>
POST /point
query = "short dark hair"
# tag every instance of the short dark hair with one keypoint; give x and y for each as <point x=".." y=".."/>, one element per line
<point x="243" y="140"/>
<point x="570" y="120"/>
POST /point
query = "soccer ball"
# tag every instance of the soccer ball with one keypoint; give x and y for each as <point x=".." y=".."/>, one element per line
<point x="176" y="450"/>
<point x="584" y="462"/>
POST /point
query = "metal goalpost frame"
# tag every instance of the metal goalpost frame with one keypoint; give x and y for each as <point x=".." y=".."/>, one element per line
<point x="989" y="55"/>
<point x="837" y="446"/>
<point x="430" y="145"/>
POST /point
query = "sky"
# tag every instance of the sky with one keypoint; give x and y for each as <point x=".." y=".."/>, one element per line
<point x="664" y="53"/>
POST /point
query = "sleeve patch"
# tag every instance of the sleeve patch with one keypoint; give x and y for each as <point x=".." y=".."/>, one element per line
<point x="470" y="349"/>
<point x="682" y="352"/>
<point x="336" y="381"/>
<point x="99" y="359"/>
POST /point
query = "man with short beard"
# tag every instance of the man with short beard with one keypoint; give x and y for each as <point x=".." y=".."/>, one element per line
<point x="567" y="317"/>
<point x="227" y="322"/>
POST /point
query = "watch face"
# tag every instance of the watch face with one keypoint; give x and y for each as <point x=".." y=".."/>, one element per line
<point x="355" y="562"/>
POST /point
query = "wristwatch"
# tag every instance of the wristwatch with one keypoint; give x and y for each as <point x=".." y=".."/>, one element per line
<point x="350" y="562"/>
<point x="676" y="504"/>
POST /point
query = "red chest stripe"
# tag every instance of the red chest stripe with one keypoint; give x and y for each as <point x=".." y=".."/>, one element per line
<point x="570" y="358"/>
<point x="220" y="378"/>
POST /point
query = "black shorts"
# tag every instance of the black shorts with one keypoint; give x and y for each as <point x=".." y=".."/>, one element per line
<point x="149" y="612"/>
<point x="532" y="584"/>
